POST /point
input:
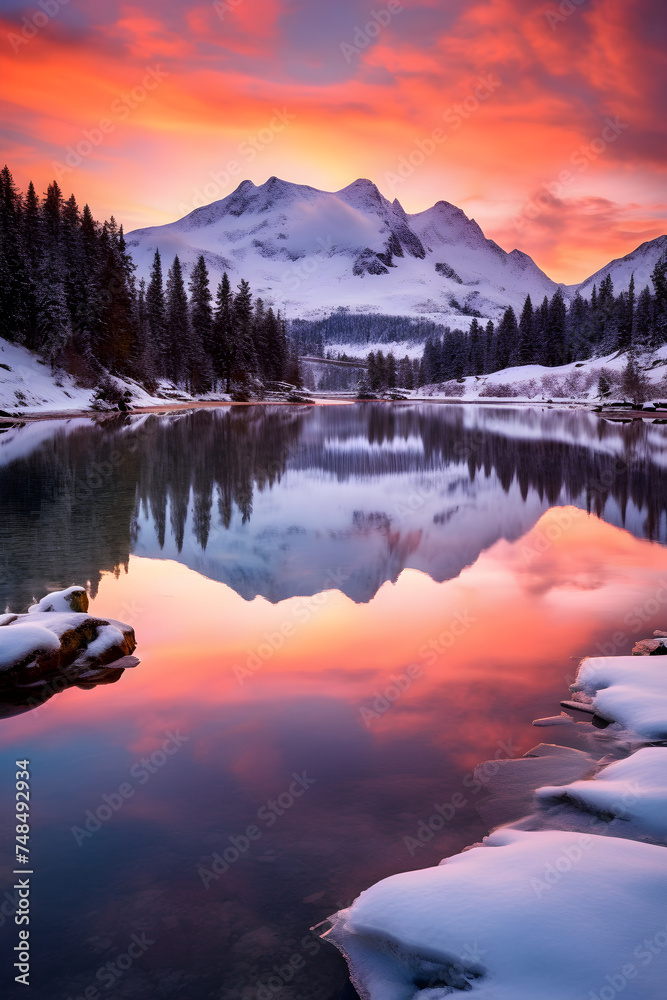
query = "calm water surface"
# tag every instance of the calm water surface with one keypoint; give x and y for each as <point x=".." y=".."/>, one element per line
<point x="340" y="611"/>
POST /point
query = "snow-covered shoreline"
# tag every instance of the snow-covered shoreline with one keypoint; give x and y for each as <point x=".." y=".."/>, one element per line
<point x="30" y="390"/>
<point x="569" y="903"/>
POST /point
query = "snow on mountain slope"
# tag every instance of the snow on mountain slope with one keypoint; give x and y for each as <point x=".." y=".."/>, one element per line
<point x="640" y="263"/>
<point x="308" y="252"/>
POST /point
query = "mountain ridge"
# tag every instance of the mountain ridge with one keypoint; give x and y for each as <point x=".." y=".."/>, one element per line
<point x="307" y="252"/>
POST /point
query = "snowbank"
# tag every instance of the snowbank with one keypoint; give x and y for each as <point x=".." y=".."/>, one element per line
<point x="628" y="690"/>
<point x="567" y="904"/>
<point x="630" y="793"/>
<point x="29" y="386"/>
<point x="518" y="918"/>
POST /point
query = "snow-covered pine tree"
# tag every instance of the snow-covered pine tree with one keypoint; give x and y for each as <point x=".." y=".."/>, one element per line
<point x="643" y="332"/>
<point x="659" y="279"/>
<point x="578" y="329"/>
<point x="53" y="319"/>
<point x="390" y="369"/>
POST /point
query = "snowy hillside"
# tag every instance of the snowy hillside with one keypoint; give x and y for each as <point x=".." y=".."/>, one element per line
<point x="308" y="252"/>
<point x="640" y="263"/>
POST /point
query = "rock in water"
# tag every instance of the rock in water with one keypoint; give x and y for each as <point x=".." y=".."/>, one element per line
<point x="57" y="645"/>
<point x="72" y="599"/>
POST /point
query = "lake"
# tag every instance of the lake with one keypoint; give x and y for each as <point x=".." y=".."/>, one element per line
<point x="340" y="611"/>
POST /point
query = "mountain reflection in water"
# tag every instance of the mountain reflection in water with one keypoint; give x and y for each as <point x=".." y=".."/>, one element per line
<point x="271" y="499"/>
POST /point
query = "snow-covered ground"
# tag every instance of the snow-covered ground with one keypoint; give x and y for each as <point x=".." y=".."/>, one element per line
<point x="29" y="386"/>
<point x="632" y="793"/>
<point x="558" y="910"/>
<point x="627" y="690"/>
<point x="574" y="382"/>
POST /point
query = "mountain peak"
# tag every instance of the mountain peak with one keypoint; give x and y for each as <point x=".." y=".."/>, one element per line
<point x="307" y="251"/>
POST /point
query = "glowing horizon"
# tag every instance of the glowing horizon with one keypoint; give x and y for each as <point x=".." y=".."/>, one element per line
<point x="542" y="123"/>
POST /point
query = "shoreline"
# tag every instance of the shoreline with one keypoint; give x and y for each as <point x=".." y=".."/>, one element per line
<point x="195" y="404"/>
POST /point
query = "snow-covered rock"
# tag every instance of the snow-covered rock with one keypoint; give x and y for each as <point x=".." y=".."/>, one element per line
<point x="551" y="915"/>
<point x="71" y="599"/>
<point x="53" y="641"/>
<point x="629" y="795"/>
<point x="628" y="690"/>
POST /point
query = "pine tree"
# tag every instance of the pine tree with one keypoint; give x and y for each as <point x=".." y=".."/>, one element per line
<point x="578" y="330"/>
<point x="526" y="351"/>
<point x="490" y="340"/>
<point x="555" y="346"/>
<point x="52" y="210"/>
<point x="244" y="364"/>
<point x="156" y="317"/>
<point x="604" y="386"/>
<point x="642" y="333"/>
<point x="115" y="336"/>
<point x="222" y="354"/>
<point x="179" y="335"/>
<point x="625" y="308"/>
<point x="659" y="279"/>
<point x="201" y="324"/>
<point x="541" y="327"/>
<point x="390" y="369"/>
<point x="275" y="346"/>
<point x="14" y="276"/>
<point x="507" y="341"/>
<point x="53" y="319"/>
<point x="405" y="373"/>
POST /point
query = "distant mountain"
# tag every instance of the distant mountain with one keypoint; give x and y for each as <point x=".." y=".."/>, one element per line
<point x="640" y="263"/>
<point x="308" y="252"/>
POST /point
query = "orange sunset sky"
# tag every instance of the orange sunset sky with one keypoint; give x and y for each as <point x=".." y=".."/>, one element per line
<point x="528" y="97"/>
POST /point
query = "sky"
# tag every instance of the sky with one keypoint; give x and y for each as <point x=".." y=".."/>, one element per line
<point x="542" y="120"/>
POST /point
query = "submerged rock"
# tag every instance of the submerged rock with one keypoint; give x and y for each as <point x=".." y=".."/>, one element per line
<point x="57" y="645"/>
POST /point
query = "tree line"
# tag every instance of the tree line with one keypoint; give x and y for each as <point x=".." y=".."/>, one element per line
<point x="68" y="291"/>
<point x="552" y="334"/>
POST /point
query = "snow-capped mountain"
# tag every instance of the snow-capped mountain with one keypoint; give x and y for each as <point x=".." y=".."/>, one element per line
<point x="308" y="252"/>
<point x="640" y="263"/>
